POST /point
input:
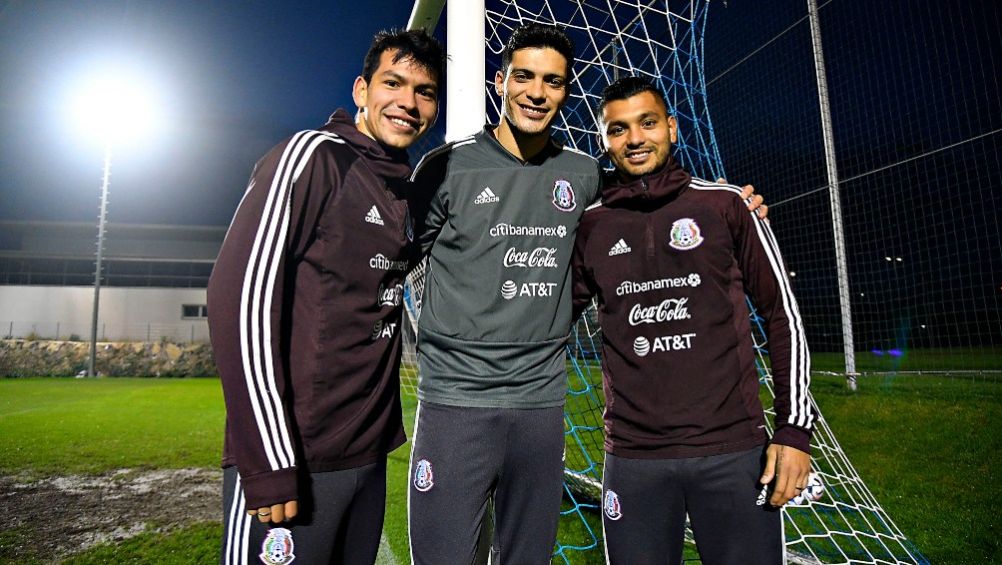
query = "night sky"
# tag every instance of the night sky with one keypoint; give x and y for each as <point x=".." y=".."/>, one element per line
<point x="234" y="78"/>
<point x="916" y="109"/>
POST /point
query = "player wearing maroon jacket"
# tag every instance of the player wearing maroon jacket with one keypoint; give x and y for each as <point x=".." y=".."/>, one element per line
<point x="670" y="259"/>
<point x="305" y="301"/>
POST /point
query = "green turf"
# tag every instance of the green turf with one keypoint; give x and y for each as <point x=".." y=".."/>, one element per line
<point x="910" y="360"/>
<point x="395" y="523"/>
<point x="926" y="445"/>
<point x="63" y="426"/>
<point x="929" y="450"/>
<point x="932" y="431"/>
<point x="198" y="543"/>
<point x="15" y="538"/>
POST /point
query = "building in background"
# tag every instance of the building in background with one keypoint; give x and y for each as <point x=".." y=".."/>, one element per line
<point x="153" y="287"/>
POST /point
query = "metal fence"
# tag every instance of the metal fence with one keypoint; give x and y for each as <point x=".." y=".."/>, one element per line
<point x="196" y="331"/>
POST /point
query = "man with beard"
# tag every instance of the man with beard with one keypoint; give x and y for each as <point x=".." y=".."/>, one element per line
<point x="670" y="259"/>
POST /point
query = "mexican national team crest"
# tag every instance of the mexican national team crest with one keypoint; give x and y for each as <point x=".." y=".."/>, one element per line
<point x="684" y="235"/>
<point x="277" y="548"/>
<point x="424" y="479"/>
<point x="563" y="196"/>
<point x="613" y="510"/>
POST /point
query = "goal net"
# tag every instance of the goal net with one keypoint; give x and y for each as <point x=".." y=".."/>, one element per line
<point x="663" y="41"/>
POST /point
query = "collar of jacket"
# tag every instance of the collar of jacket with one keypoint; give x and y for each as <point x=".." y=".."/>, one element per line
<point x="647" y="191"/>
<point x="487" y="137"/>
<point x="391" y="164"/>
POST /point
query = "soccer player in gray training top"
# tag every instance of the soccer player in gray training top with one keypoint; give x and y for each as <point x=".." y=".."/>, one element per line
<point x="504" y="206"/>
<point x="670" y="258"/>
<point x="305" y="302"/>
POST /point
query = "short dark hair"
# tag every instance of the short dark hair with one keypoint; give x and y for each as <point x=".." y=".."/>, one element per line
<point x="628" y="87"/>
<point x="538" y="35"/>
<point x="413" y="44"/>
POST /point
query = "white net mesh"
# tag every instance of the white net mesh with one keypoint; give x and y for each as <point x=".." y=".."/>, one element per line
<point x="664" y="41"/>
<point x="413" y="289"/>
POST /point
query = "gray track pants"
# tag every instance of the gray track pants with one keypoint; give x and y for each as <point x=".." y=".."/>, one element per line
<point x="461" y="456"/>
<point x="340" y="521"/>
<point x="645" y="502"/>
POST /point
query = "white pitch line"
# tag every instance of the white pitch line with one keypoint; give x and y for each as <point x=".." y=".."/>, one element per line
<point x="385" y="555"/>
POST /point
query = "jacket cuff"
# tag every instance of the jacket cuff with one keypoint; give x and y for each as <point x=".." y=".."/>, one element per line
<point x="273" y="487"/>
<point x="794" y="437"/>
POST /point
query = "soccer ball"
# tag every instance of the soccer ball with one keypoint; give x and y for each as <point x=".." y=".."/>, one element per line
<point x="814" y="491"/>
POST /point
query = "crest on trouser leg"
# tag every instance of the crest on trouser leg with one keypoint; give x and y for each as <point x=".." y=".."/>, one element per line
<point x="613" y="510"/>
<point x="277" y="548"/>
<point x="424" y="478"/>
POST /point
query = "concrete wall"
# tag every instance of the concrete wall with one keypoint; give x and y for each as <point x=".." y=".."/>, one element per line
<point x="142" y="314"/>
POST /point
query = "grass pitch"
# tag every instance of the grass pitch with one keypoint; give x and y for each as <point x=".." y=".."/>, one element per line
<point x="926" y="446"/>
<point x="67" y="426"/>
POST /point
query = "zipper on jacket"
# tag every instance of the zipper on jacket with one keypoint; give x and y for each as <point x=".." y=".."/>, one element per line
<point x="648" y="228"/>
<point x="649" y="235"/>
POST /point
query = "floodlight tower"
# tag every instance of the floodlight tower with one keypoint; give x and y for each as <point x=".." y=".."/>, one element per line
<point x="102" y="217"/>
<point x="113" y="108"/>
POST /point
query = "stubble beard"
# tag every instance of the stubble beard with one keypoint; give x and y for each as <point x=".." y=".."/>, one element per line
<point x="518" y="131"/>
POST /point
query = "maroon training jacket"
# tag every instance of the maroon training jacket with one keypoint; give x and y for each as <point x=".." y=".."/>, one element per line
<point x="305" y="310"/>
<point x="670" y="259"/>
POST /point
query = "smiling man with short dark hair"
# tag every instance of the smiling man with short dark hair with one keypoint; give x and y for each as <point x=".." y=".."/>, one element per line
<point x="305" y="312"/>
<point x="670" y="258"/>
<point x="504" y="207"/>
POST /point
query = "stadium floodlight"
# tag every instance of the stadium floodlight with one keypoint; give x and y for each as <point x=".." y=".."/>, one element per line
<point x="115" y="106"/>
<point x="112" y="107"/>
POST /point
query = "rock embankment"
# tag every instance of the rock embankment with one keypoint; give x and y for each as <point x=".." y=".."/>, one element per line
<point x="50" y="358"/>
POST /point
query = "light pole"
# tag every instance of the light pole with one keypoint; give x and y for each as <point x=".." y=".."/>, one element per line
<point x="113" y="107"/>
<point x="91" y="371"/>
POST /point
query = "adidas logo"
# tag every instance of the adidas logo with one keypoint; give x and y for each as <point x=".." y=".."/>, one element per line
<point x="373" y="216"/>
<point x="621" y="248"/>
<point x="486" y="196"/>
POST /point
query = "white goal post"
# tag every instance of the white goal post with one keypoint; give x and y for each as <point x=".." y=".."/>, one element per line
<point x="465" y="97"/>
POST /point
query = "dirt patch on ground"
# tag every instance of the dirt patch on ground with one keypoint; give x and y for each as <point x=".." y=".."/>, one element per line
<point x="54" y="517"/>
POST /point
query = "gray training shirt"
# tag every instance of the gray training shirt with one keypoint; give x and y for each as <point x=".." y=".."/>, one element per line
<point x="497" y="298"/>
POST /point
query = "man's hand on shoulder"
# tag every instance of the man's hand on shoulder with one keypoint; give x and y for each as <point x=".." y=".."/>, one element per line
<point x="276" y="513"/>
<point x="757" y="204"/>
